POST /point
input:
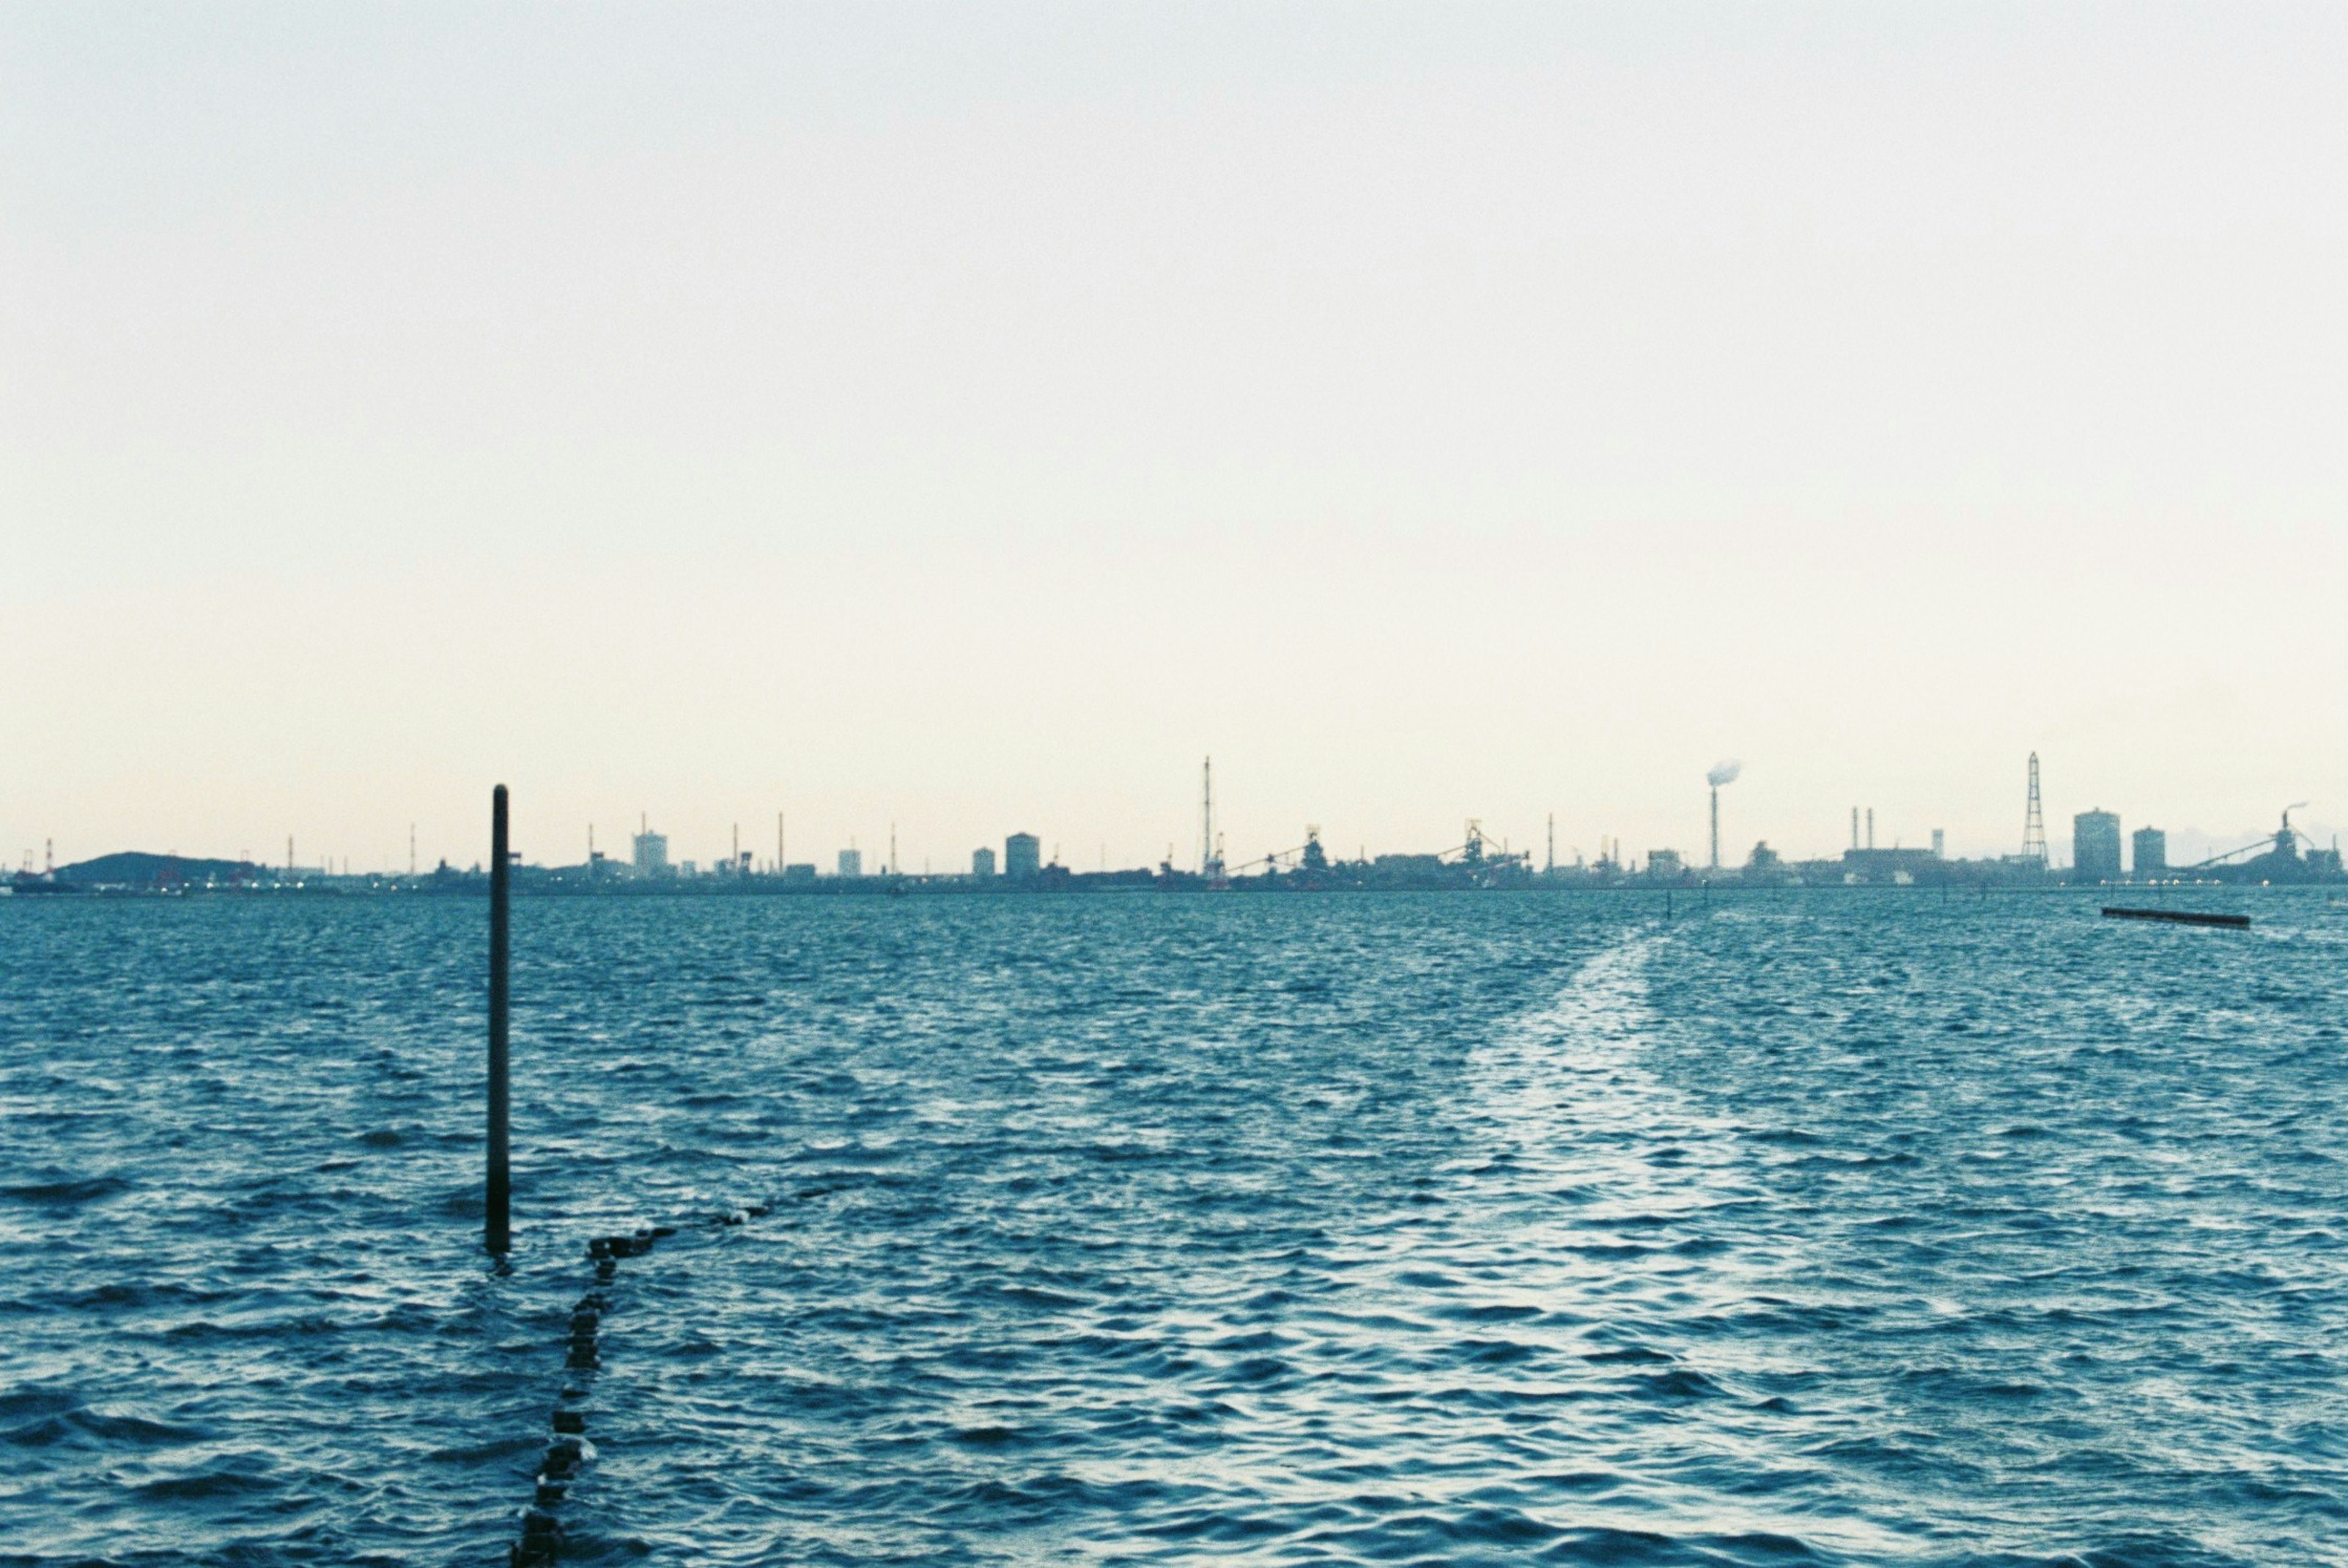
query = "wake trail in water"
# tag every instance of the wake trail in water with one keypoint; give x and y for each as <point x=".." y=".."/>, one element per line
<point x="1605" y="1212"/>
<point x="1570" y="1098"/>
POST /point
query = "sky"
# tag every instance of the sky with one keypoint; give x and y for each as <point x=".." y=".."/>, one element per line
<point x="969" y="418"/>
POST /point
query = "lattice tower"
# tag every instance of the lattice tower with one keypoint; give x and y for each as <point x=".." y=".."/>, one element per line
<point x="2034" y="821"/>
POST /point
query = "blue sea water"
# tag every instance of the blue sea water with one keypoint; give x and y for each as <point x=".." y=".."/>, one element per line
<point x="1829" y="1228"/>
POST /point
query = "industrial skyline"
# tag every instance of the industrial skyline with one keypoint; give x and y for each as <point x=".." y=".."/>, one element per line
<point x="2095" y="845"/>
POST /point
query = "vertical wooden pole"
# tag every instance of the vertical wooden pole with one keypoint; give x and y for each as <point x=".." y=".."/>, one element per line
<point x="498" y="1231"/>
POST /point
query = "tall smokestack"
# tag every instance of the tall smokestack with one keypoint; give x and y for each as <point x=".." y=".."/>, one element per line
<point x="1721" y="774"/>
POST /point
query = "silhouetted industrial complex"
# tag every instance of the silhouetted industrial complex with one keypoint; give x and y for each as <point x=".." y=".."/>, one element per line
<point x="2286" y="855"/>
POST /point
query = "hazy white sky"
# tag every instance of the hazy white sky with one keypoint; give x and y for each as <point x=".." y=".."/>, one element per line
<point x="970" y="416"/>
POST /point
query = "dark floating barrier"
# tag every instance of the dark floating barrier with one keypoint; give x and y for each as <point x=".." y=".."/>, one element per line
<point x="2181" y="918"/>
<point x="569" y="1453"/>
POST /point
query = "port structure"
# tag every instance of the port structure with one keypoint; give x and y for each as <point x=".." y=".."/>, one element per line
<point x="2280" y="847"/>
<point x="1210" y="845"/>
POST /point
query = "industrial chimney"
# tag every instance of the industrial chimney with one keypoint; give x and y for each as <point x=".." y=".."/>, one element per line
<point x="1721" y="774"/>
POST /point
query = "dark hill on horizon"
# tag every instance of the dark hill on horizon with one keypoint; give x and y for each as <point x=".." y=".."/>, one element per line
<point x="135" y="868"/>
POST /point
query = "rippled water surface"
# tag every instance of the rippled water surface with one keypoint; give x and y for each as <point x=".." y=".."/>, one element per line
<point x="1828" y="1227"/>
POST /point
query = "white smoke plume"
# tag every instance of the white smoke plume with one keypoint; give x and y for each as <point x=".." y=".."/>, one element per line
<point x="1724" y="772"/>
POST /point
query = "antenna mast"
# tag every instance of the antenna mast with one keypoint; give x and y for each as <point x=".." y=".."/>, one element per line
<point x="2034" y="821"/>
<point x="1210" y="855"/>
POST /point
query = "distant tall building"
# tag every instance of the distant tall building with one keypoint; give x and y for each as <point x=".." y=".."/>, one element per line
<point x="652" y="854"/>
<point x="2151" y="850"/>
<point x="982" y="865"/>
<point x="851" y="863"/>
<point x="1023" y="856"/>
<point x="2095" y="844"/>
<point x="1940" y="844"/>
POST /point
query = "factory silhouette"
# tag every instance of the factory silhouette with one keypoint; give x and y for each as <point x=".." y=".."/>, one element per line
<point x="2100" y="855"/>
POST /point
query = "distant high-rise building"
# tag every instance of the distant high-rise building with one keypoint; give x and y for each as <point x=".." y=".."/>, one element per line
<point x="982" y="864"/>
<point x="652" y="854"/>
<point x="1023" y="856"/>
<point x="851" y="863"/>
<point x="2151" y="850"/>
<point x="2095" y="844"/>
<point x="1940" y="845"/>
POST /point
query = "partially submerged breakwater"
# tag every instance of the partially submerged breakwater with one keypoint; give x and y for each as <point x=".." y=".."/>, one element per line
<point x="569" y="1450"/>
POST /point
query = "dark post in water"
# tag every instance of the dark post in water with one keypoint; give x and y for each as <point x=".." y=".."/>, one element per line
<point x="498" y="1228"/>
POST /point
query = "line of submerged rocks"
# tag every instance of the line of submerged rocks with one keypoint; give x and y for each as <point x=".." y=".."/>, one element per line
<point x="569" y="1452"/>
